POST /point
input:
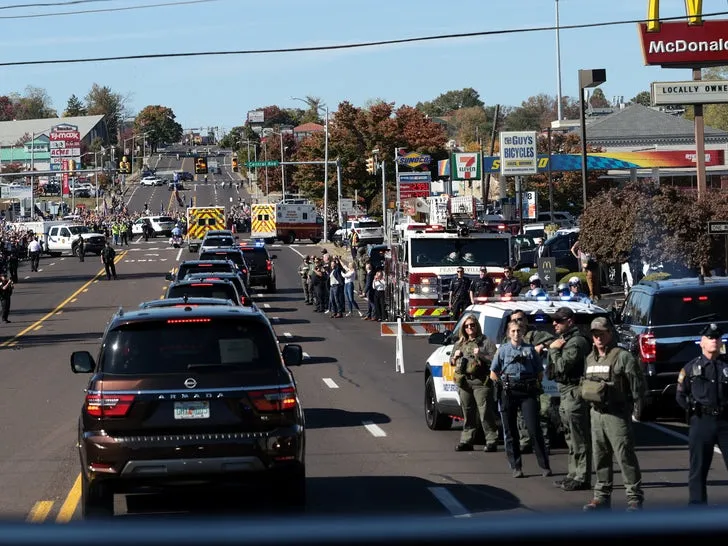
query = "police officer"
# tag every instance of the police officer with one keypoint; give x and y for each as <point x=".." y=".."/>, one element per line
<point x="567" y="355"/>
<point x="535" y="290"/>
<point x="518" y="368"/>
<point x="702" y="390"/>
<point x="108" y="254"/>
<point x="81" y="248"/>
<point x="509" y="285"/>
<point x="459" y="294"/>
<point x="612" y="382"/>
<point x="471" y="357"/>
<point x="482" y="287"/>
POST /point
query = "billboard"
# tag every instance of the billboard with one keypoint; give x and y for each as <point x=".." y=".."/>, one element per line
<point x="690" y="92"/>
<point x="518" y="153"/>
<point x="256" y="116"/>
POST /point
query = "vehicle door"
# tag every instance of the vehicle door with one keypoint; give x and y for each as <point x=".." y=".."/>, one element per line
<point x="65" y="237"/>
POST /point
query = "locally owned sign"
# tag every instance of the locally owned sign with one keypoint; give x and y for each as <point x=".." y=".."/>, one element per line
<point x="467" y="166"/>
<point x="689" y="92"/>
<point x="693" y="43"/>
<point x="518" y="153"/>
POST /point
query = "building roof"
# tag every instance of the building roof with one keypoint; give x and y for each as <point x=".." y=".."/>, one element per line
<point x="12" y="131"/>
<point x="638" y="125"/>
<point x="309" y="128"/>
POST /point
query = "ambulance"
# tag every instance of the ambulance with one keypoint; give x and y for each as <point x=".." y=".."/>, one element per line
<point x="286" y="222"/>
<point x="200" y="220"/>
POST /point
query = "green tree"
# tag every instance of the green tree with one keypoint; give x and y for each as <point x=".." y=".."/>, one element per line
<point x="598" y="100"/>
<point x="34" y="104"/>
<point x="74" y="107"/>
<point x="537" y="112"/>
<point x="450" y="101"/>
<point x="160" y="125"/>
<point x="643" y="97"/>
<point x="102" y="100"/>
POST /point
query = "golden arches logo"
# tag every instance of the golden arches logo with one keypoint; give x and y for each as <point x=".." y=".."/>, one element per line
<point x="693" y="10"/>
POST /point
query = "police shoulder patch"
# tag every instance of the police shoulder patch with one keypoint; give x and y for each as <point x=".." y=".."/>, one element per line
<point x="681" y="377"/>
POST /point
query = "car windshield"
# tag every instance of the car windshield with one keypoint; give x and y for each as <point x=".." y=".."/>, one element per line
<point x="168" y="347"/>
<point x="75" y="230"/>
<point x="465" y="252"/>
<point x="219" y="241"/>
<point x="165" y="219"/>
<point x="186" y="269"/>
<point x="234" y="257"/>
<point x="203" y="290"/>
<point x="705" y="306"/>
<point x="368" y="225"/>
<point x="255" y="258"/>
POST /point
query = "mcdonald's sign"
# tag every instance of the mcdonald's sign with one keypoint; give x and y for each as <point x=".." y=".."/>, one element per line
<point x="693" y="43"/>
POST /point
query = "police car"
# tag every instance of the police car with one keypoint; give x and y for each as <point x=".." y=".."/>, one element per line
<point x="442" y="403"/>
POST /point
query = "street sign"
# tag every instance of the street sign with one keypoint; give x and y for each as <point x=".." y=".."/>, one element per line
<point x="262" y="163"/>
<point x="718" y="228"/>
<point x="547" y="271"/>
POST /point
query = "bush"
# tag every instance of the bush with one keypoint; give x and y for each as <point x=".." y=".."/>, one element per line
<point x="656" y="277"/>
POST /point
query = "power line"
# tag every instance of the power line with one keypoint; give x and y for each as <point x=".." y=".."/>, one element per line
<point x="52" y="4"/>
<point x="100" y="10"/>
<point x="357" y="45"/>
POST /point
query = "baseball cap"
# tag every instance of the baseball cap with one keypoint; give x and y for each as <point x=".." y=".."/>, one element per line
<point x="562" y="313"/>
<point x="600" y="323"/>
<point x="712" y="331"/>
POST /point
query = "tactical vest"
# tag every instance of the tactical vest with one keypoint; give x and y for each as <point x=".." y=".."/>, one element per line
<point x="597" y="386"/>
<point x="601" y="370"/>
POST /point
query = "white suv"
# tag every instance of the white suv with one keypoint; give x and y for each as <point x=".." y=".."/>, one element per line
<point x="442" y="402"/>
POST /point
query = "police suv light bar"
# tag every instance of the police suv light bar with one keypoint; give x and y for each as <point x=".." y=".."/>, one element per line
<point x="493" y="299"/>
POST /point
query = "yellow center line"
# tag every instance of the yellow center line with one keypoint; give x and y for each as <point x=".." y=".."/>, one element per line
<point x="69" y="299"/>
<point x="39" y="512"/>
<point x="69" y="505"/>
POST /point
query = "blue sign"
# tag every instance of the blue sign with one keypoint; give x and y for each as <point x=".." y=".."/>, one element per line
<point x="415" y="177"/>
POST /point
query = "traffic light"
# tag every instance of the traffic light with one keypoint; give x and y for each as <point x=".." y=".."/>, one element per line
<point x="72" y="166"/>
<point x="235" y="164"/>
<point x="371" y="168"/>
<point x="201" y="165"/>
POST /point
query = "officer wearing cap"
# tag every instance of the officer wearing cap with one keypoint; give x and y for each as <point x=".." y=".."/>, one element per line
<point x="567" y="355"/>
<point x="702" y="390"/>
<point x="612" y="382"/>
<point x="482" y="287"/>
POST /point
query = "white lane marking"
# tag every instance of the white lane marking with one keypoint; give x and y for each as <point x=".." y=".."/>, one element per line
<point x="178" y="255"/>
<point x="330" y="383"/>
<point x="63" y="259"/>
<point x="52" y="263"/>
<point x="130" y="261"/>
<point x="139" y="240"/>
<point x="266" y="305"/>
<point x="257" y="295"/>
<point x="148" y="255"/>
<point x="288" y="334"/>
<point x="450" y="503"/>
<point x="26" y="278"/>
<point x="306" y="355"/>
<point x="674" y="434"/>
<point x="275" y="319"/>
<point x="40" y="270"/>
<point x="373" y="429"/>
<point x="297" y="252"/>
<point x="143" y="260"/>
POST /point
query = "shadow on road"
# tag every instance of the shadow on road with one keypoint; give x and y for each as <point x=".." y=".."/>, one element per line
<point x="337" y="418"/>
<point x="37" y="340"/>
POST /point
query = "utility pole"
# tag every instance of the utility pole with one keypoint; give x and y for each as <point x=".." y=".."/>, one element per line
<point x="486" y="190"/>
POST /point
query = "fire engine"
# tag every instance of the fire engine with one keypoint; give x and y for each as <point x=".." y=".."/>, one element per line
<point x="423" y="262"/>
<point x="286" y="222"/>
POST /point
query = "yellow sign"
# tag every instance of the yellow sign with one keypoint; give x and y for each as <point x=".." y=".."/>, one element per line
<point x="693" y="10"/>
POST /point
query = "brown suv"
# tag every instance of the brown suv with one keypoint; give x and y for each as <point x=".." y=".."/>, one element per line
<point x="183" y="395"/>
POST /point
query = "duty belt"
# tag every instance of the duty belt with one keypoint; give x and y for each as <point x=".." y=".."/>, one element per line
<point x="710" y="410"/>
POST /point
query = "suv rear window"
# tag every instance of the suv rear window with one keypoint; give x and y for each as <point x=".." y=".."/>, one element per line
<point x="256" y="257"/>
<point x="235" y="257"/>
<point x="167" y="347"/>
<point x="702" y="306"/>
<point x="219" y="241"/>
<point x="368" y="225"/>
<point x="186" y="269"/>
<point x="204" y="289"/>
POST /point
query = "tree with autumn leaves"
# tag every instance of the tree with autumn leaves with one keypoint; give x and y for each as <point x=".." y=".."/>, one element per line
<point x="159" y="124"/>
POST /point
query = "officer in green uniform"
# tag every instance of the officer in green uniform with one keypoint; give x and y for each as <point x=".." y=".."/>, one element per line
<point x="567" y="355"/>
<point x="471" y="356"/>
<point x="540" y="340"/>
<point x="612" y="382"/>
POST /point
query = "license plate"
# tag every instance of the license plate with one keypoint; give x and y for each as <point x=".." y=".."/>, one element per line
<point x="192" y="410"/>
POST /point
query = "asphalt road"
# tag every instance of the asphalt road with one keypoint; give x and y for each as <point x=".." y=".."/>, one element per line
<point x="368" y="449"/>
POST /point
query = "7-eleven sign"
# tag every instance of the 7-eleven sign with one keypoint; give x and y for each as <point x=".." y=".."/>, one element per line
<point x="465" y="166"/>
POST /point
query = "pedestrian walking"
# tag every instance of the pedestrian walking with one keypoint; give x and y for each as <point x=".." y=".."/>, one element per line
<point x="471" y="358"/>
<point x="518" y="369"/>
<point x="34" y="249"/>
<point x="702" y="390"/>
<point x="612" y="382"/>
<point x="108" y="255"/>
<point x="567" y="355"/>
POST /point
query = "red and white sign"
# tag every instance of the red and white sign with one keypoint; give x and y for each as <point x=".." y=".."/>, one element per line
<point x="677" y="44"/>
<point x="68" y="136"/>
<point x="65" y="143"/>
<point x="407" y="190"/>
<point x="66" y="152"/>
<point x="66" y="190"/>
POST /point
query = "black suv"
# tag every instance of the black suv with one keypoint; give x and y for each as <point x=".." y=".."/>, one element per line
<point x="233" y="278"/>
<point x="234" y="254"/>
<point x="189" y="395"/>
<point x="206" y="288"/>
<point x="186" y="302"/>
<point x="260" y="266"/>
<point x="201" y="266"/>
<point x="661" y="323"/>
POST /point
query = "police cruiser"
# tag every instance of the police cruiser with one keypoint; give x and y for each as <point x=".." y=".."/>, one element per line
<point x="442" y="402"/>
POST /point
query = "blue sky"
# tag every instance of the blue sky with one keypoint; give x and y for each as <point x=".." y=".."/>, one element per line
<point x="218" y="91"/>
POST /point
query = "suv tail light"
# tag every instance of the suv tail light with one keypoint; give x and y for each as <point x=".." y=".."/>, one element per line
<point x="108" y="405"/>
<point x="268" y="265"/>
<point x="648" y="348"/>
<point x="272" y="400"/>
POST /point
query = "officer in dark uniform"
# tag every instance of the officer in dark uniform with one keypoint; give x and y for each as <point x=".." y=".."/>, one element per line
<point x="81" y="249"/>
<point x="13" y="259"/>
<point x="459" y="294"/>
<point x="702" y="390"/>
<point x="482" y="287"/>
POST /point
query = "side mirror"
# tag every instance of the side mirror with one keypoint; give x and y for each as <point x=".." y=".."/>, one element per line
<point x="616" y="316"/>
<point x="82" y="362"/>
<point x="169" y="277"/>
<point x="292" y="355"/>
<point x="273" y="256"/>
<point x="438" y="338"/>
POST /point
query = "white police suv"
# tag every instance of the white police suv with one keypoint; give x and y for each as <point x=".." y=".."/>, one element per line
<point x="442" y="403"/>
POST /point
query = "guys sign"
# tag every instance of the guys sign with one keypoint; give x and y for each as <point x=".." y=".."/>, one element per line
<point x="518" y="153"/>
<point x="679" y="44"/>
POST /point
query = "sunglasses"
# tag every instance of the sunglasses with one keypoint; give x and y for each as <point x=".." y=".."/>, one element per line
<point x="470" y="325"/>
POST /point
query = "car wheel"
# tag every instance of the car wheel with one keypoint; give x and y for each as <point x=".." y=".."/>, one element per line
<point x="644" y="410"/>
<point x="75" y="251"/>
<point x="294" y="488"/>
<point x="434" y="419"/>
<point x="270" y="287"/>
<point x="291" y="238"/>
<point x="315" y="240"/>
<point x="97" y="500"/>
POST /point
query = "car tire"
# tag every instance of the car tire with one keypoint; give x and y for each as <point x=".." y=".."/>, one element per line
<point x="644" y="410"/>
<point x="293" y="486"/>
<point x="270" y="287"/>
<point x="97" y="500"/>
<point x="75" y="251"/>
<point x="433" y="418"/>
<point x="291" y="238"/>
<point x="315" y="240"/>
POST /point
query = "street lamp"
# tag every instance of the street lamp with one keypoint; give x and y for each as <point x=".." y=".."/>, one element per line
<point x="326" y="167"/>
<point x="587" y="78"/>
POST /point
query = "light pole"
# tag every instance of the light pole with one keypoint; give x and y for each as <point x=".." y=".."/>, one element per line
<point x="558" y="65"/>
<point x="587" y="78"/>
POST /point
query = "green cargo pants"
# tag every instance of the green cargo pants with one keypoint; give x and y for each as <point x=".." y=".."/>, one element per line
<point x="613" y="437"/>
<point x="575" y="417"/>
<point x="478" y="403"/>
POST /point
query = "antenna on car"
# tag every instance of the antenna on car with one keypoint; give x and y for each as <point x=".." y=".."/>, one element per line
<point x="121" y="311"/>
